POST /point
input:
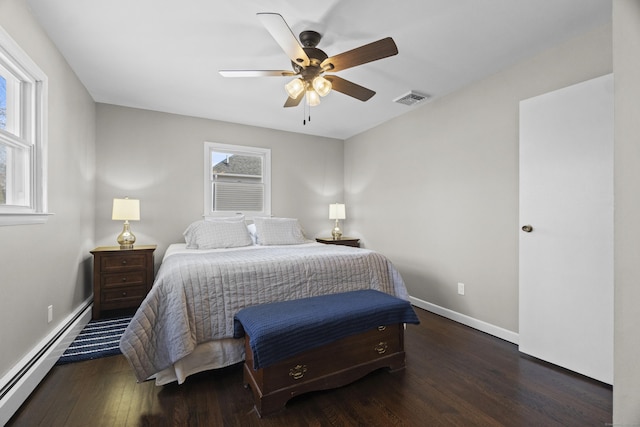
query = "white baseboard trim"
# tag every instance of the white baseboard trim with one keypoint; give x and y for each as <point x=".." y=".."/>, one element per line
<point x="24" y="377"/>
<point x="480" y="325"/>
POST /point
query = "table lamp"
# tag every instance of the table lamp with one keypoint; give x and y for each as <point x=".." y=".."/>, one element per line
<point x="337" y="212"/>
<point x="126" y="210"/>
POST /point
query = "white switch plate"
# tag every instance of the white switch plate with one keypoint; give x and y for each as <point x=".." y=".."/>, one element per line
<point x="49" y="314"/>
<point x="460" y="288"/>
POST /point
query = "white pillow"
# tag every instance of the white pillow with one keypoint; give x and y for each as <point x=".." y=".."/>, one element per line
<point x="279" y="231"/>
<point x="253" y="233"/>
<point x="217" y="234"/>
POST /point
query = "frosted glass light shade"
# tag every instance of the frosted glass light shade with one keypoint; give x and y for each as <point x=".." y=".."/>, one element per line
<point x="294" y="88"/>
<point x="337" y="211"/>
<point x="322" y="86"/>
<point x="313" y="98"/>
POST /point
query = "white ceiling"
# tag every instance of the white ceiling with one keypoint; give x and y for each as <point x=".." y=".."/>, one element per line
<point x="165" y="55"/>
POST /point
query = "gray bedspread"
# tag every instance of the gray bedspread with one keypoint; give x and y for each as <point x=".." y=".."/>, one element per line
<point x="195" y="296"/>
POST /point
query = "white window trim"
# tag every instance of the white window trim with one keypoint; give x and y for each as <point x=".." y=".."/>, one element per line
<point x="37" y="213"/>
<point x="243" y="150"/>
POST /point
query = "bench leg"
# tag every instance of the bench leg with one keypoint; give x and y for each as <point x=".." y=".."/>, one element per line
<point x="264" y="404"/>
<point x="397" y="363"/>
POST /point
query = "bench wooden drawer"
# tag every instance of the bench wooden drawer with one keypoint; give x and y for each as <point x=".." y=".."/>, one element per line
<point x="329" y="366"/>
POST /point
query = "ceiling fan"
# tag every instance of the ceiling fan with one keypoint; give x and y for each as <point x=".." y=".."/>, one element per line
<point x="310" y="63"/>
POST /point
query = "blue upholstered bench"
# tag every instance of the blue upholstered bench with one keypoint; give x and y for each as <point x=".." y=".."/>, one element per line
<point x="317" y="343"/>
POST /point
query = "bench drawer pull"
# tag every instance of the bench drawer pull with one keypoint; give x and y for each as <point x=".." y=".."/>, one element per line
<point x="381" y="347"/>
<point x="382" y="328"/>
<point x="297" y="371"/>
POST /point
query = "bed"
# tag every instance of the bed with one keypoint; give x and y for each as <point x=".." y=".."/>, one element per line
<point x="185" y="324"/>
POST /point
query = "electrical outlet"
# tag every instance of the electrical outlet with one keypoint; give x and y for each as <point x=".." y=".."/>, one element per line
<point x="460" y="288"/>
<point x="49" y="314"/>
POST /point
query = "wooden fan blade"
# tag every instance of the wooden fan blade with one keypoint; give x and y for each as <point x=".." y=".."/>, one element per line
<point x="256" y="73"/>
<point x="348" y="88"/>
<point x="361" y="55"/>
<point x="280" y="31"/>
<point x="290" y="102"/>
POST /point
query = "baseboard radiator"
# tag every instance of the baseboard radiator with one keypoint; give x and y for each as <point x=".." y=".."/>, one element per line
<point x="24" y="377"/>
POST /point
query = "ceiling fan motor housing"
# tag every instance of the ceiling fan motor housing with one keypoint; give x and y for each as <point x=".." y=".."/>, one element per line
<point x="316" y="56"/>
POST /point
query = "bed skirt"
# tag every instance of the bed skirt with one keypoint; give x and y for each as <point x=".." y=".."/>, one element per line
<point x="210" y="355"/>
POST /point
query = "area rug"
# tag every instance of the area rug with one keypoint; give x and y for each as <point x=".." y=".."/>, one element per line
<point x="99" y="338"/>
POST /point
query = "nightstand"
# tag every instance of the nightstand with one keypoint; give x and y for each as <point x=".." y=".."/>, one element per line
<point x="344" y="241"/>
<point x="121" y="277"/>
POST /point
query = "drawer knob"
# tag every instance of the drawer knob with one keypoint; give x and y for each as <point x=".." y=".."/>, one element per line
<point x="124" y="279"/>
<point x="297" y="371"/>
<point x="382" y="328"/>
<point x="381" y="347"/>
<point x="124" y="262"/>
<point x="124" y="294"/>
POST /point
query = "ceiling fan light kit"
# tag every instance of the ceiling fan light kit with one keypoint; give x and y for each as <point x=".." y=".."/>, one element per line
<point x="319" y="86"/>
<point x="310" y="63"/>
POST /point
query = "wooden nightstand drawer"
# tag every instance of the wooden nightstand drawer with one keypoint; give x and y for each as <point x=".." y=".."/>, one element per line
<point x="123" y="262"/>
<point x="126" y="296"/>
<point x="121" y="277"/>
<point x="124" y="279"/>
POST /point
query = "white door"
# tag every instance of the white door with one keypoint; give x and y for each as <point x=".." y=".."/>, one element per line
<point x="566" y="259"/>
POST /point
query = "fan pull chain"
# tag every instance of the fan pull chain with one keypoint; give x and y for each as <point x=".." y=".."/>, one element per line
<point x="304" y="111"/>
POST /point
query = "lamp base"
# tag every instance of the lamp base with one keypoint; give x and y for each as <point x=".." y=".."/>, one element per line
<point x="336" y="233"/>
<point x="126" y="239"/>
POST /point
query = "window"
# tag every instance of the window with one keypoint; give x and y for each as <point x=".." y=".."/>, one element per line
<point x="23" y="88"/>
<point x="237" y="180"/>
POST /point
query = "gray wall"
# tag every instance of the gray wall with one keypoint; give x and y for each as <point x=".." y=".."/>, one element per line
<point x="49" y="264"/>
<point x="158" y="158"/>
<point x="626" y="66"/>
<point x="436" y="190"/>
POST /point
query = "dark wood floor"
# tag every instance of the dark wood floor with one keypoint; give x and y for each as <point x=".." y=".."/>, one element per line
<point x="455" y="376"/>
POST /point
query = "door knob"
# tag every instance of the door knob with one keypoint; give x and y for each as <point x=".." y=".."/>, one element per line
<point x="527" y="228"/>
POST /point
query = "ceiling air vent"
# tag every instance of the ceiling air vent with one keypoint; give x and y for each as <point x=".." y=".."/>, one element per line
<point x="411" y="98"/>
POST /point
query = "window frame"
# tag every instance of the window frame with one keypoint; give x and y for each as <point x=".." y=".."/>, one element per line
<point x="264" y="153"/>
<point x="32" y="133"/>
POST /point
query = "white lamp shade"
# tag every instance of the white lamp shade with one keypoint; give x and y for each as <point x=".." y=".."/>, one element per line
<point x="126" y="210"/>
<point x="337" y="211"/>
